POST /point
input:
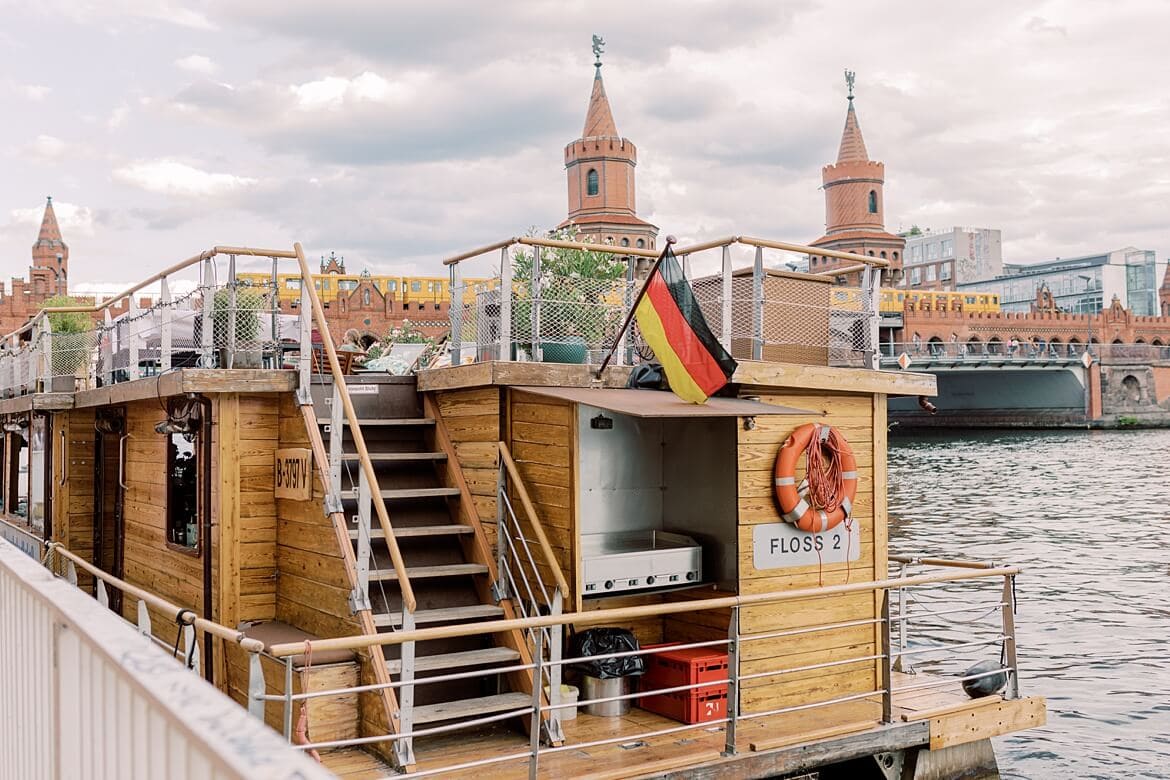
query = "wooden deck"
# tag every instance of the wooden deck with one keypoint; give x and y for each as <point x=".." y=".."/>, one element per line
<point x="767" y="746"/>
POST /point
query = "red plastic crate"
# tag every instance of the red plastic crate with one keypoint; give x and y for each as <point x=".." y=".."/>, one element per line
<point x="673" y="668"/>
<point x="698" y="705"/>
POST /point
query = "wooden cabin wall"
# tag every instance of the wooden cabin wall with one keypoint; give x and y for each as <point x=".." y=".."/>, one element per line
<point x="150" y="562"/>
<point x="861" y="418"/>
<point x="312" y="589"/>
<point x="472" y="418"/>
<point x="542" y="436"/>
<point x="73" y="510"/>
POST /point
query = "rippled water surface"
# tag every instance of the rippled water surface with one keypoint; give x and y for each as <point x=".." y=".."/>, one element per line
<point x="1087" y="514"/>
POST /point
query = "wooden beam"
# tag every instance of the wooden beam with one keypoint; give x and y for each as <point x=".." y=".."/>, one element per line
<point x="758" y="374"/>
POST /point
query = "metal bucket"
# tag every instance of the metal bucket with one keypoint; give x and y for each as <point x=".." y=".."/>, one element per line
<point x="597" y="688"/>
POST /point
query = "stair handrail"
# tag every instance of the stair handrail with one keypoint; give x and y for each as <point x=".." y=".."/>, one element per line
<point x="534" y="519"/>
<point x="409" y="603"/>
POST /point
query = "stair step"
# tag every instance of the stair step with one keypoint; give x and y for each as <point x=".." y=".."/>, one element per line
<point x="424" y="572"/>
<point x="444" y="615"/>
<point x="383" y="421"/>
<point x="416" y="531"/>
<point x="351" y="495"/>
<point x="466" y="708"/>
<point x="434" y="663"/>
<point x="398" y="457"/>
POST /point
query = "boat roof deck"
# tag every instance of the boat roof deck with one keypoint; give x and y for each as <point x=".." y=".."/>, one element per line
<point x="750" y="374"/>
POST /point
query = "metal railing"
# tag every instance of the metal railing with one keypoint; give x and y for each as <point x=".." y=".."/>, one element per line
<point x="881" y="656"/>
<point x="73" y="677"/>
<point x="986" y="352"/>
<point x="520" y="579"/>
<point x="529" y="311"/>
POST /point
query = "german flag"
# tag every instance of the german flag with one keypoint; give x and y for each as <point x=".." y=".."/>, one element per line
<point x="696" y="364"/>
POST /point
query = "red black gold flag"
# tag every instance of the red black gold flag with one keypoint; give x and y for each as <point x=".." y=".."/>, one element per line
<point x="696" y="364"/>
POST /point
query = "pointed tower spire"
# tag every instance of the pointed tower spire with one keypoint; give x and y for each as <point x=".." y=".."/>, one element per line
<point x="599" y="118"/>
<point x="852" y="144"/>
<point x="50" y="234"/>
<point x="599" y="168"/>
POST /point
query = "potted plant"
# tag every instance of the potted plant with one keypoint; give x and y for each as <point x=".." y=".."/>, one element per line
<point x="576" y="294"/>
<point x="245" y="351"/>
<point x="72" y="334"/>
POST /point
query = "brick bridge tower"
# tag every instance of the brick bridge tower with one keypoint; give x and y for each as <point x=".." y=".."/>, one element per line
<point x="49" y="272"/>
<point x="855" y="205"/>
<point x="600" y="170"/>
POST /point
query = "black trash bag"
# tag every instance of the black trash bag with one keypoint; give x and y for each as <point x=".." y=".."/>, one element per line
<point x="599" y="641"/>
<point x="647" y="376"/>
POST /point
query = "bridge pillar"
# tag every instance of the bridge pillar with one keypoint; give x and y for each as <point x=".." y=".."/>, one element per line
<point x="1093" y="403"/>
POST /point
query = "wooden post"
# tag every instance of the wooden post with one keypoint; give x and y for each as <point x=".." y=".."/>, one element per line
<point x="167" y="315"/>
<point x="727" y="310"/>
<point x="133" y="340"/>
<point x="758" y="305"/>
<point x="1009" y="632"/>
<point x="505" y="352"/>
<point x="887" y="675"/>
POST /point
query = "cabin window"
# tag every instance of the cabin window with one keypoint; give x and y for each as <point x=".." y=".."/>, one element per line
<point x="592" y="185"/>
<point x="37" y="452"/>
<point x="873" y="201"/>
<point x="16" y="499"/>
<point x="184" y="427"/>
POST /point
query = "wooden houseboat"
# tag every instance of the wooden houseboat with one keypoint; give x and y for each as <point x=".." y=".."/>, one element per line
<point x="381" y="566"/>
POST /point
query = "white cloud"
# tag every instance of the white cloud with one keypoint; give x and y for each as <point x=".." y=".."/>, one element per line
<point x="48" y="148"/>
<point x="333" y="92"/>
<point x="117" y="117"/>
<point x="197" y="63"/>
<point x="170" y="177"/>
<point x="72" y="219"/>
<point x="35" y="92"/>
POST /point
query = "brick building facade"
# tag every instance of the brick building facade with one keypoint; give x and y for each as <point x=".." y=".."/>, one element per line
<point x="47" y="276"/>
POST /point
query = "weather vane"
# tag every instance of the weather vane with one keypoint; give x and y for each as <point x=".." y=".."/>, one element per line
<point x="850" y="77"/>
<point x="598" y="48"/>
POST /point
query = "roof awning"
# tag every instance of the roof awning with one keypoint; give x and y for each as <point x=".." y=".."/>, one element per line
<point x="660" y="403"/>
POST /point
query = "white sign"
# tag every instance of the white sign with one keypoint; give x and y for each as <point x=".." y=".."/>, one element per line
<point x="781" y="546"/>
<point x="362" y="389"/>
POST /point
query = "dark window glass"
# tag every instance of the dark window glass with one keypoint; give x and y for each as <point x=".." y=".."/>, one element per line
<point x="873" y="201"/>
<point x="592" y="185"/>
<point x="183" y="477"/>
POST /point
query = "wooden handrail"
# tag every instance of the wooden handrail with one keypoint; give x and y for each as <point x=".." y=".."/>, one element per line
<point x="876" y="262"/>
<point x="617" y="616"/>
<point x="537" y="526"/>
<point x="162" y="605"/>
<point x="359" y="441"/>
<point x="941" y="562"/>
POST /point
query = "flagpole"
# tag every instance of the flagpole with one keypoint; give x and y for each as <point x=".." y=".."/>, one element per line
<point x="634" y="306"/>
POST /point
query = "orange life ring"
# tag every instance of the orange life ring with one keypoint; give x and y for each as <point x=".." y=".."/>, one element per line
<point x="795" y="507"/>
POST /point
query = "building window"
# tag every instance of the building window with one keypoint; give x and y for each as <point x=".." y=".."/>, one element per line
<point x="883" y="255"/>
<point x="592" y="185"/>
<point x="915" y="276"/>
<point x="915" y="253"/>
<point x="895" y="256"/>
<point x="930" y="272"/>
<point x="625" y="242"/>
<point x="641" y="243"/>
<point x="366" y="297"/>
<point x="183" y="478"/>
<point x="948" y="247"/>
<point x="932" y="251"/>
<point x="873" y="201"/>
<point x="944" y="272"/>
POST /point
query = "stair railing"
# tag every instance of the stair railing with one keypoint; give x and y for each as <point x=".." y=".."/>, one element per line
<point x="519" y="578"/>
<point x="368" y="494"/>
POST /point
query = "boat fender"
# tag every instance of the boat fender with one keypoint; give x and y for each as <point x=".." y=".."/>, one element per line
<point x="825" y="497"/>
<point x="985" y="683"/>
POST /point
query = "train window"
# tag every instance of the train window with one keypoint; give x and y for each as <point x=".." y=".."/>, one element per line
<point x="292" y="284"/>
<point x="391" y="285"/>
<point x="347" y="284"/>
<point x="970" y="299"/>
<point x="415" y="286"/>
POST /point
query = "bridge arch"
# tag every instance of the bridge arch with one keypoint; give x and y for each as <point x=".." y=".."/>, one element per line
<point x="995" y="346"/>
<point x="975" y="346"/>
<point x="1117" y="341"/>
<point x="1132" y="388"/>
<point x="1139" y="340"/>
<point x="1157" y="343"/>
<point x="936" y="346"/>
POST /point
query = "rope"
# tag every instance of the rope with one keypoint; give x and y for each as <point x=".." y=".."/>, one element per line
<point x="301" y="737"/>
<point x="181" y="624"/>
<point x="826" y="485"/>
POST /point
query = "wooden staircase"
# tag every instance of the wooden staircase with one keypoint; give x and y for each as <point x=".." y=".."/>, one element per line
<point x="448" y="560"/>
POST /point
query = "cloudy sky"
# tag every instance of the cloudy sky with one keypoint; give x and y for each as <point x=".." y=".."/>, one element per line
<point x="397" y="132"/>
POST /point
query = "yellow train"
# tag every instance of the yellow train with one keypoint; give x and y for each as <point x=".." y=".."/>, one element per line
<point x="407" y="289"/>
<point x="894" y="301"/>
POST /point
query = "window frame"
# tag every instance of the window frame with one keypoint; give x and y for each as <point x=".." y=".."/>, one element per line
<point x="592" y="183"/>
<point x="201" y="477"/>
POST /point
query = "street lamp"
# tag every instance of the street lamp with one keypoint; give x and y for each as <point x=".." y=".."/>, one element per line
<point x="1088" y="310"/>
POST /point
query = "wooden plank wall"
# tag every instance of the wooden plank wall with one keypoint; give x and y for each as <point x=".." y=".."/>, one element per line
<point x="855" y="415"/>
<point x="73" y="500"/>
<point x="473" y="422"/>
<point x="542" y="436"/>
<point x="257" y="438"/>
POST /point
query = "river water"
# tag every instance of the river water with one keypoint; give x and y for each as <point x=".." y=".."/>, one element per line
<point x="1087" y="514"/>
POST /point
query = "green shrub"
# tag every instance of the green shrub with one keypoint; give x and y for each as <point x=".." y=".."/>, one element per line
<point x="249" y="304"/>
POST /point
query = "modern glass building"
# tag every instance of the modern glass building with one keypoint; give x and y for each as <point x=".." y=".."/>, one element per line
<point x="1082" y="284"/>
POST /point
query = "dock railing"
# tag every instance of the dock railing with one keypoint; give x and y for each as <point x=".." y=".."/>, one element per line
<point x="86" y="697"/>
<point x="529" y="309"/>
<point x="880" y="655"/>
